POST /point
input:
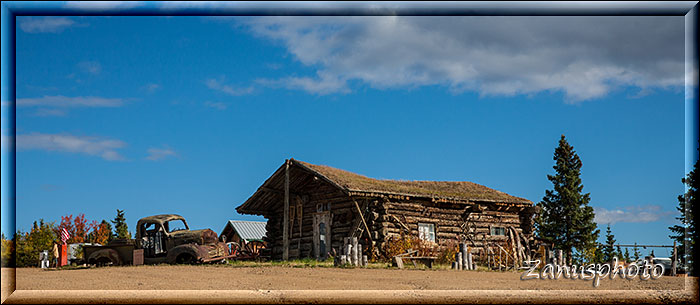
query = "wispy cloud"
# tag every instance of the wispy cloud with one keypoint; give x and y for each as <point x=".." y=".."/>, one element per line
<point x="46" y="112"/>
<point x="216" y="105"/>
<point x="103" y="5"/>
<point x="218" y="85"/>
<point x="44" y="24"/>
<point x="582" y="57"/>
<point x="152" y="87"/>
<point x="93" y="146"/>
<point x="90" y="67"/>
<point x="157" y="154"/>
<point x="637" y="214"/>
<point x="324" y="83"/>
<point x="59" y="101"/>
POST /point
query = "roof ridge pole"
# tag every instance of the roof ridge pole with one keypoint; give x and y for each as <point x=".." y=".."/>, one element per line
<point x="285" y="229"/>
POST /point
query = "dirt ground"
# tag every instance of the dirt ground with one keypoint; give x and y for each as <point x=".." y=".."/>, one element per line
<point x="222" y="277"/>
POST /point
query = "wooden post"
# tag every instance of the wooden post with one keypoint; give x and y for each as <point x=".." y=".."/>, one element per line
<point x="460" y="261"/>
<point x="359" y="254"/>
<point x="285" y="229"/>
<point x="675" y="258"/>
<point x="469" y="261"/>
<point x="354" y="251"/>
<point x="348" y="253"/>
<point x="560" y="257"/>
<point x="465" y="257"/>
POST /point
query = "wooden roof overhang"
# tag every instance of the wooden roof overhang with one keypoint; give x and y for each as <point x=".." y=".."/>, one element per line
<point x="270" y="195"/>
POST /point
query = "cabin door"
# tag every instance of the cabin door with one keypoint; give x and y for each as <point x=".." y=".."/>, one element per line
<point x="322" y="235"/>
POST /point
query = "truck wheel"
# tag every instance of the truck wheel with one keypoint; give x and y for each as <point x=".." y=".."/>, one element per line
<point x="104" y="261"/>
<point x="185" y="258"/>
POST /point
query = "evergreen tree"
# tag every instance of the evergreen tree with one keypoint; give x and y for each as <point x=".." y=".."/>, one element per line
<point x="618" y="254"/>
<point x="598" y="257"/>
<point x="636" y="254"/>
<point x="121" y="230"/>
<point x="609" y="248"/>
<point x="627" y="255"/>
<point x="685" y="233"/>
<point x="565" y="218"/>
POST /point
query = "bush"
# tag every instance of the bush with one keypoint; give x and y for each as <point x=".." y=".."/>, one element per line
<point x="398" y="245"/>
<point x="401" y="244"/>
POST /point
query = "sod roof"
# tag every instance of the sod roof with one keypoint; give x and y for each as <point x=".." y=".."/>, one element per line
<point x="461" y="190"/>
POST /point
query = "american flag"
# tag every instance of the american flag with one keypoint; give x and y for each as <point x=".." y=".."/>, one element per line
<point x="64" y="235"/>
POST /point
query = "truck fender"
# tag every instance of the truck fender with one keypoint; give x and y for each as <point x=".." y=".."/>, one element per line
<point x="188" y="253"/>
<point x="103" y="256"/>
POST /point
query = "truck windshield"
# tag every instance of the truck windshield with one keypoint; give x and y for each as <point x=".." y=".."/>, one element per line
<point x="175" y="225"/>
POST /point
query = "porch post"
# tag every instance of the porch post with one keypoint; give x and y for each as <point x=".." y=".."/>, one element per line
<point x="285" y="229"/>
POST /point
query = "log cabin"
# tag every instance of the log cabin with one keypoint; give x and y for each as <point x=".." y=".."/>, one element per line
<point x="311" y="209"/>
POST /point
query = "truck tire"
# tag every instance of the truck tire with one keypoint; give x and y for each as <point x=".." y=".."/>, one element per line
<point x="183" y="254"/>
<point x="185" y="258"/>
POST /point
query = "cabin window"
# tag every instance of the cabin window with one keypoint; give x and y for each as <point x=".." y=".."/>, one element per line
<point x="498" y="231"/>
<point x="426" y="231"/>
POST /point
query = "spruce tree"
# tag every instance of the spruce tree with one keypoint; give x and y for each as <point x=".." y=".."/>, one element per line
<point x="609" y="248"/>
<point x="627" y="255"/>
<point x="685" y="233"/>
<point x="636" y="254"/>
<point x="121" y="230"/>
<point x="565" y="218"/>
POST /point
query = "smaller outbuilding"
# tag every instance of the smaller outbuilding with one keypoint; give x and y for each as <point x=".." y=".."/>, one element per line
<point x="249" y="235"/>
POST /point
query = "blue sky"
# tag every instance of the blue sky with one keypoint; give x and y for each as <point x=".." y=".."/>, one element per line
<point x="190" y="115"/>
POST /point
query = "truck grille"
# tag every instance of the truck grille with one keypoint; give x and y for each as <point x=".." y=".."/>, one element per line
<point x="217" y="251"/>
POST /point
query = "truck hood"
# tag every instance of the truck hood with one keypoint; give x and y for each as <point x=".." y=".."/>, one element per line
<point x="205" y="236"/>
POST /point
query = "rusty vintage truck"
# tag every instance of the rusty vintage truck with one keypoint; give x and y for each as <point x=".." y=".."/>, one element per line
<point x="160" y="239"/>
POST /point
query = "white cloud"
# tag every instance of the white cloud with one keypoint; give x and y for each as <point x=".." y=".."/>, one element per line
<point x="103" y="5"/>
<point x="44" y="24"/>
<point x="220" y="86"/>
<point x="93" y="146"/>
<point x="64" y="101"/>
<point x="582" y="57"/>
<point x="157" y="154"/>
<point x="45" y="112"/>
<point x="216" y="105"/>
<point x="638" y="214"/>
<point x="91" y="67"/>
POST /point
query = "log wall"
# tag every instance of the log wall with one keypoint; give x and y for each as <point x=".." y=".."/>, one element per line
<point x="470" y="223"/>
